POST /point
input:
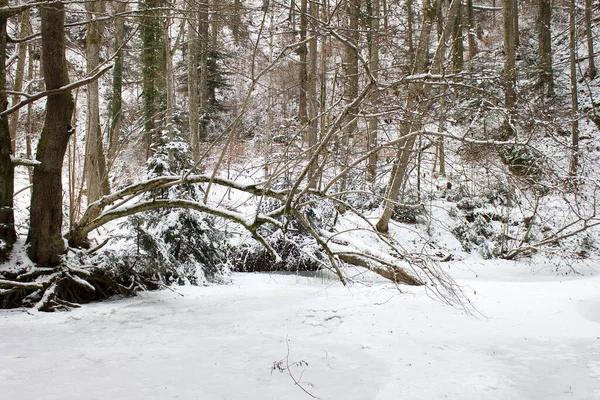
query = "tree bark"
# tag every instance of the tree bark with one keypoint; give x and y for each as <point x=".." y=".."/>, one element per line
<point x="19" y="74"/>
<point x="96" y="173"/>
<point x="374" y="68"/>
<point x="151" y="45"/>
<point x="313" y="102"/>
<point x="350" y="66"/>
<point x="545" y="46"/>
<point x="510" y="76"/>
<point x="7" y="226"/>
<point x="458" y="46"/>
<point x="592" y="72"/>
<point x="203" y="50"/>
<point x="116" y="106"/>
<point x="193" y="83"/>
<point x="472" y="34"/>
<point x="303" y="70"/>
<point x="515" y="18"/>
<point x="236" y="21"/>
<point x="45" y="234"/>
<point x="574" y="165"/>
<point x="410" y="17"/>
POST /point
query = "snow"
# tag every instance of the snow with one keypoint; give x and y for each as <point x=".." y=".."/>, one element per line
<point x="537" y="337"/>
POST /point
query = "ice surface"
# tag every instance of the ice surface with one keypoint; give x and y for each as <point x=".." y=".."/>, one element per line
<point x="538" y="338"/>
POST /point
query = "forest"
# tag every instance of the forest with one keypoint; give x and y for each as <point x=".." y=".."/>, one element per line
<point x="151" y="143"/>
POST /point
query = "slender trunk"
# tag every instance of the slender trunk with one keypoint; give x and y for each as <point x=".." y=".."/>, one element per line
<point x="151" y="38"/>
<point x="574" y="165"/>
<point x="96" y="175"/>
<point x="169" y="78"/>
<point x="409" y="31"/>
<point x="116" y="105"/>
<point x="30" y="124"/>
<point x="592" y="72"/>
<point x="515" y="17"/>
<point x="458" y="47"/>
<point x="7" y="226"/>
<point x="510" y="95"/>
<point x="193" y="83"/>
<point x="350" y="66"/>
<point x="45" y="239"/>
<point x="203" y="50"/>
<point x="236" y="21"/>
<point x="374" y="68"/>
<point x="472" y="35"/>
<point x="19" y="74"/>
<point x="303" y="70"/>
<point x="545" y="46"/>
<point x="213" y="54"/>
<point x="313" y="102"/>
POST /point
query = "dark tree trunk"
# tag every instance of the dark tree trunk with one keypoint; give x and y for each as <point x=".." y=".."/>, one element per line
<point x="574" y="165"/>
<point x="303" y="71"/>
<point x="458" y="46"/>
<point x="590" y="39"/>
<point x="510" y="97"/>
<point x="116" y="106"/>
<point x="151" y="33"/>
<point x="7" y="226"/>
<point x="545" y="45"/>
<point x="45" y="234"/>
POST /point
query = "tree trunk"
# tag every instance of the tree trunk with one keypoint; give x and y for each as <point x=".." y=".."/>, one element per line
<point x="236" y="21"/>
<point x="116" y="106"/>
<point x="19" y="74"/>
<point x="545" y="46"/>
<point x="515" y="18"/>
<point x="410" y="17"/>
<point x="510" y="96"/>
<point x="7" y="226"/>
<point x="193" y="83"/>
<point x="374" y="68"/>
<point x="96" y="175"/>
<point x="313" y="102"/>
<point x="590" y="42"/>
<point x="169" y="77"/>
<point x="574" y="165"/>
<point x="350" y="66"/>
<point x="458" y="47"/>
<point x="45" y="239"/>
<point x="151" y="38"/>
<point x="303" y="70"/>
<point x="203" y="50"/>
<point x="472" y="34"/>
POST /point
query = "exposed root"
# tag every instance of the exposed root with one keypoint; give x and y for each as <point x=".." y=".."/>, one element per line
<point x="64" y="287"/>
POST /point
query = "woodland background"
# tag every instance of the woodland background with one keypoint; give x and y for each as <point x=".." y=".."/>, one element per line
<point x="150" y="143"/>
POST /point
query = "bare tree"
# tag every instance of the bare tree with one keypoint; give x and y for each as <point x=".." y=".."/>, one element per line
<point x="116" y="106"/>
<point x="574" y="165"/>
<point x="96" y="172"/>
<point x="545" y="46"/>
<point x="7" y="226"/>
<point x="45" y="239"/>
<point x="590" y="39"/>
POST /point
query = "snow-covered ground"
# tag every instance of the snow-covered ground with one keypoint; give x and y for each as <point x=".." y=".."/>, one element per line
<point x="538" y="338"/>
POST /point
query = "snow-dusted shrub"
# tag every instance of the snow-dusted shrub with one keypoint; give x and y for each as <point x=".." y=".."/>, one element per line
<point x="178" y="246"/>
<point x="172" y="245"/>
